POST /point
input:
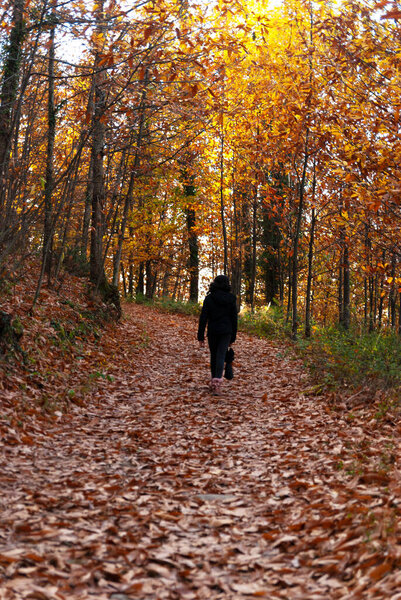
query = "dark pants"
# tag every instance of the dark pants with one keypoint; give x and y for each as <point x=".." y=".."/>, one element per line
<point x="218" y="345"/>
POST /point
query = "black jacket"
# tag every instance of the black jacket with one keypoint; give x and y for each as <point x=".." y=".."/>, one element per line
<point x="219" y="311"/>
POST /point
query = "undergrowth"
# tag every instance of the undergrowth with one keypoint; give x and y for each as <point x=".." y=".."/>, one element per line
<point x="266" y="322"/>
<point x="59" y="342"/>
<point x="337" y="357"/>
<point x="167" y="305"/>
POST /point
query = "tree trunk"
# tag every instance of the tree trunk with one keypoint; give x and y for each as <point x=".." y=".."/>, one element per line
<point x="375" y="298"/>
<point x="297" y="233"/>
<point x="270" y="239"/>
<point x="166" y="281"/>
<point x="341" y="286"/>
<point x="393" y="294"/>
<point x="371" y="304"/>
<point x="189" y="192"/>
<point x="365" y="301"/>
<point x="381" y="298"/>
<point x="399" y="314"/>
<point x="151" y="278"/>
<point x="252" y="283"/>
<point x="64" y="237"/>
<point x="176" y="284"/>
<point x="247" y="245"/>
<point x="131" y="280"/>
<point x="10" y="83"/>
<point x="48" y="227"/>
<point x="193" y="255"/>
<point x="280" y="274"/>
<point x="347" y="290"/>
<point x="124" y="279"/>
<point x="87" y="212"/>
<point x="310" y="276"/>
<point x="134" y="175"/>
<point x="140" y="286"/>
<point x="222" y="210"/>
<point x="98" y="135"/>
<point x="51" y="134"/>
<point x="236" y="280"/>
<point x="236" y="253"/>
<point x="289" y="299"/>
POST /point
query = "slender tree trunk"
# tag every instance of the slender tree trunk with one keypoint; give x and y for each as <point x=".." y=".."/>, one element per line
<point x="393" y="294"/>
<point x="87" y="211"/>
<point x="140" y="286"/>
<point x="86" y="219"/>
<point x="189" y="191"/>
<point x="131" y="280"/>
<point x="193" y="255"/>
<point x="341" y="284"/>
<point x="151" y="278"/>
<point x="236" y="252"/>
<point x="133" y="177"/>
<point x="48" y="228"/>
<point x="98" y="136"/>
<point x="381" y="298"/>
<point x="310" y="276"/>
<point x="289" y="299"/>
<point x="222" y="210"/>
<point x="123" y="279"/>
<point x="347" y="290"/>
<point x="11" y="99"/>
<point x="51" y="134"/>
<point x="375" y="298"/>
<point x="280" y="275"/>
<point x="166" y="281"/>
<point x="399" y="314"/>
<point x="380" y="311"/>
<point x="177" y="283"/>
<point x="371" y="304"/>
<point x="297" y="234"/>
<point x="365" y="301"/>
<point x="310" y="259"/>
<point x="67" y="222"/>
<point x="252" y="283"/>
<point x="10" y="83"/>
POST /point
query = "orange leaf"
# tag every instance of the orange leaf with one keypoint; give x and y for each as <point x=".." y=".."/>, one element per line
<point x="392" y="14"/>
<point x="381" y="570"/>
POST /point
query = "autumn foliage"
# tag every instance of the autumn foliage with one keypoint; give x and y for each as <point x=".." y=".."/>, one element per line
<point x="144" y="148"/>
<point x="162" y="143"/>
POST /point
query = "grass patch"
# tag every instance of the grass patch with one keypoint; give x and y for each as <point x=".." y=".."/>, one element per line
<point x="267" y="322"/>
<point x="168" y="305"/>
<point x="338" y="358"/>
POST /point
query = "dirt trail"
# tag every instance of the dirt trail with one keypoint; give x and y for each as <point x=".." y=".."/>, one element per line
<point x="158" y="490"/>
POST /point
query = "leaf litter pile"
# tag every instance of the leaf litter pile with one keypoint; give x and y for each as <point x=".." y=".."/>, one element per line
<point x="153" y="489"/>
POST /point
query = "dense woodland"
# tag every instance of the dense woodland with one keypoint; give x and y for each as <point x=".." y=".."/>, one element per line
<point x="146" y="146"/>
<point x="152" y="145"/>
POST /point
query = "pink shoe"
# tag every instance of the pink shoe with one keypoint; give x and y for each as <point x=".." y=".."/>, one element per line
<point x="215" y="385"/>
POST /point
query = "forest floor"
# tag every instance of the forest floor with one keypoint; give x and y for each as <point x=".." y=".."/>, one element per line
<point x="154" y="489"/>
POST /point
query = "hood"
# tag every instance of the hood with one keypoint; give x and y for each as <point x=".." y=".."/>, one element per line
<point x="222" y="297"/>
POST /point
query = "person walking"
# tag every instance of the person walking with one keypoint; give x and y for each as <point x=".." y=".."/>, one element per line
<point x="219" y="312"/>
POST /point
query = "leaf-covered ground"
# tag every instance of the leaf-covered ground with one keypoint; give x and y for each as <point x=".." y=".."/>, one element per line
<point x="153" y="489"/>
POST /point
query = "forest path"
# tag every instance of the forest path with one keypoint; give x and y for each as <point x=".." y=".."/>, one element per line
<point x="157" y="490"/>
